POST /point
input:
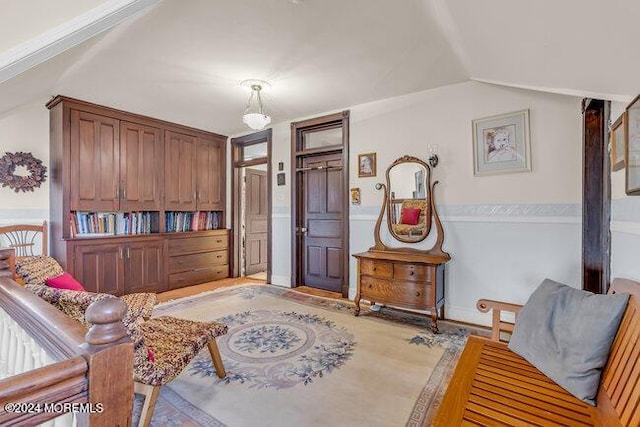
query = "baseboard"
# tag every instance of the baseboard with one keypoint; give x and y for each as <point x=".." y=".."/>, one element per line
<point x="284" y="281"/>
<point x="472" y="316"/>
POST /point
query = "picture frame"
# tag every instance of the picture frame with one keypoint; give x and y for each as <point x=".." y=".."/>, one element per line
<point x="618" y="139"/>
<point x="501" y="144"/>
<point x="632" y="148"/>
<point x="366" y="165"/>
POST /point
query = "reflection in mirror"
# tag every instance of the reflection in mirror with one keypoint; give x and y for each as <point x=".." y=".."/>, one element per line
<point x="409" y="212"/>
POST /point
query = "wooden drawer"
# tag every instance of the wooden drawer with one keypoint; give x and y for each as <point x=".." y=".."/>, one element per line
<point x="376" y="268"/>
<point x="181" y="246"/>
<point x="408" y="294"/>
<point x="196" y="261"/>
<point x="412" y="272"/>
<point x="194" y="277"/>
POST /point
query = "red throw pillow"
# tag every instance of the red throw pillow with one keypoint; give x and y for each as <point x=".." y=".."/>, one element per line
<point x="64" y="281"/>
<point x="410" y="216"/>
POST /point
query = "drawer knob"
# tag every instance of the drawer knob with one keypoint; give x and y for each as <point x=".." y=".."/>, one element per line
<point x="181" y="279"/>
<point x="412" y="273"/>
<point x="180" y="262"/>
<point x="417" y="294"/>
<point x="219" y="256"/>
<point x="218" y="241"/>
<point x="370" y="286"/>
<point x="375" y="268"/>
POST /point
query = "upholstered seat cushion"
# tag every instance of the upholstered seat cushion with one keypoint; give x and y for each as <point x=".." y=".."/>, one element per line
<point x="174" y="342"/>
<point x="36" y="269"/>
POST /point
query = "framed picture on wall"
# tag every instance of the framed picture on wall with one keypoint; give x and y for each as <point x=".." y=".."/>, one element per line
<point x="618" y="139"/>
<point x="501" y="144"/>
<point x="366" y="165"/>
<point x="632" y="152"/>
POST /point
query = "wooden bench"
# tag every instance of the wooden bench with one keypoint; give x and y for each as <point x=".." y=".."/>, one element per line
<point x="492" y="386"/>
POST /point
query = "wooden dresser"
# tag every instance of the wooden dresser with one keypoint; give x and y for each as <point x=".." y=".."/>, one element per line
<point x="198" y="259"/>
<point x="405" y="280"/>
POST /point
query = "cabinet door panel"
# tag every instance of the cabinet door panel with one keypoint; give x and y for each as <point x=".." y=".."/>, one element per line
<point x="180" y="173"/>
<point x="99" y="268"/>
<point x="95" y="162"/>
<point x="210" y="175"/>
<point x="143" y="267"/>
<point x="141" y="167"/>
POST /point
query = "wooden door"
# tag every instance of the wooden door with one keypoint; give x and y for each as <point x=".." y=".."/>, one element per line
<point x="99" y="267"/>
<point x="95" y="162"/>
<point x="322" y="234"/>
<point x="143" y="266"/>
<point x="180" y="172"/>
<point x="141" y="167"/>
<point x="210" y="177"/>
<point x="256" y="205"/>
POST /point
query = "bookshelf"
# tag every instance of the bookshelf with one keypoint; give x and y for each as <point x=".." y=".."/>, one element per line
<point x="137" y="204"/>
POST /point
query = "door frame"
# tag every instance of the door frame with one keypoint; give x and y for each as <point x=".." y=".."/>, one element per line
<point x="298" y="153"/>
<point x="237" y="149"/>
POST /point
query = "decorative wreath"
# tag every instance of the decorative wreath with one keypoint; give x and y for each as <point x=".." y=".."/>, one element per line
<point x="8" y="178"/>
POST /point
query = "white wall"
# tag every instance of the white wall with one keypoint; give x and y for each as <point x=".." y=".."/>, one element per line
<point x="26" y="129"/>
<point x="505" y="233"/>
<point x="625" y="221"/>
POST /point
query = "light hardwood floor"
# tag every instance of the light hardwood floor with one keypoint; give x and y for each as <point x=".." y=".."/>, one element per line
<point x="209" y="286"/>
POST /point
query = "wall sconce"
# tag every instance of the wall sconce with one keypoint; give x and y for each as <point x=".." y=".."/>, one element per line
<point x="433" y="155"/>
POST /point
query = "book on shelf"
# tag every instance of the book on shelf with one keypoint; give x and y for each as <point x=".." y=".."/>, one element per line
<point x="94" y="224"/>
<point x="193" y="221"/>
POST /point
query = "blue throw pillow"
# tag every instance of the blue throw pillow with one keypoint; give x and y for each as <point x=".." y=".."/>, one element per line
<point x="567" y="333"/>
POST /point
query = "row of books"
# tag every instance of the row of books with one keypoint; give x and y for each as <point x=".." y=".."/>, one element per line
<point x="111" y="223"/>
<point x="193" y="221"/>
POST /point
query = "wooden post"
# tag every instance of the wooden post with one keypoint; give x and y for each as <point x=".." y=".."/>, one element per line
<point x="110" y="359"/>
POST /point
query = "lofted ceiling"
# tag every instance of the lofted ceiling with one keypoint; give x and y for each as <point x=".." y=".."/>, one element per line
<point x="183" y="60"/>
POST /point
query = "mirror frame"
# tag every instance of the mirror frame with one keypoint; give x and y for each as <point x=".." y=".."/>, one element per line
<point x="436" y="251"/>
<point x="389" y="202"/>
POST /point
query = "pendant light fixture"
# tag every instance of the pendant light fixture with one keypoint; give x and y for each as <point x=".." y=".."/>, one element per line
<point x="254" y="116"/>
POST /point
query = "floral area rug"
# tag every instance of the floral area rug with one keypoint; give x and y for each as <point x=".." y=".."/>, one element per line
<point x="297" y="360"/>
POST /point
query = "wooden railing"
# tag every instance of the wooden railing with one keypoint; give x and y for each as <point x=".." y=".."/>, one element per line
<point x="51" y="366"/>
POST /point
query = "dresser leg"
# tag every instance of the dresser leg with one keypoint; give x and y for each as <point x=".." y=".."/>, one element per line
<point x="434" y="321"/>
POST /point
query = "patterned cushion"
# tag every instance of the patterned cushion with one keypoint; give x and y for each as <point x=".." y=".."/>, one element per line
<point x="174" y="343"/>
<point x="140" y="304"/>
<point x="75" y="303"/>
<point x="36" y="269"/>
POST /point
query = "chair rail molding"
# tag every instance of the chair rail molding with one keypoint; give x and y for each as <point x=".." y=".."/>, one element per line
<point x="37" y="50"/>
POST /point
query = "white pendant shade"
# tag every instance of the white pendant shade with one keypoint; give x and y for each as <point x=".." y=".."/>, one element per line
<point x="254" y="116"/>
<point x="256" y="121"/>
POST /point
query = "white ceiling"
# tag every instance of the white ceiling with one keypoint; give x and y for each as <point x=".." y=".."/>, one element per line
<point x="183" y="60"/>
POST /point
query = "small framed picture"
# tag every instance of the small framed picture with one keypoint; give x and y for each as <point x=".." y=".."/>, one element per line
<point x="355" y="196"/>
<point x="618" y="139"/>
<point x="632" y="151"/>
<point x="501" y="144"/>
<point x="366" y="165"/>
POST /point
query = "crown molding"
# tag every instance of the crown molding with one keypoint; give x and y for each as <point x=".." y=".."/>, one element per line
<point x="37" y="50"/>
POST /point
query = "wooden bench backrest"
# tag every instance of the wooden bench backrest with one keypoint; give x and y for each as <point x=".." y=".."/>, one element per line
<point x="23" y="238"/>
<point x="620" y="382"/>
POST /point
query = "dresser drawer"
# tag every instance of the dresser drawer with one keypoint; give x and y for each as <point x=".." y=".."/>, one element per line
<point x="180" y="246"/>
<point x="201" y="275"/>
<point x="199" y="260"/>
<point x="412" y="272"/>
<point x="376" y="268"/>
<point x="408" y="294"/>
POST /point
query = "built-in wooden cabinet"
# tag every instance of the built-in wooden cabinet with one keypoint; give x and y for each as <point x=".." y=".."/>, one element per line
<point x="141" y="167"/>
<point x="117" y="179"/>
<point x="94" y="162"/>
<point x="192" y="178"/>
